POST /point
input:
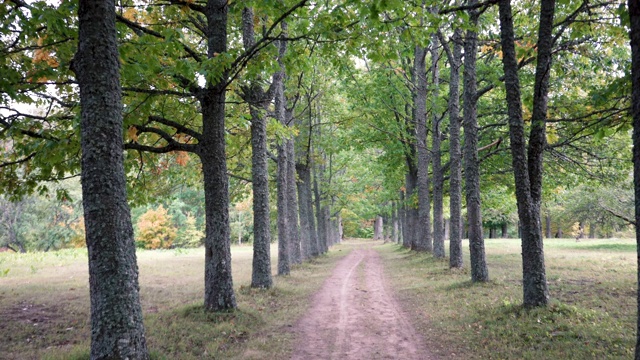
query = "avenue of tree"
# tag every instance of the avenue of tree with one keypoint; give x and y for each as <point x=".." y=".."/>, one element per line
<point x="326" y="115"/>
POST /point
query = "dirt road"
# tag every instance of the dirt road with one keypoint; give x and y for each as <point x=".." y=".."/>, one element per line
<point x="353" y="316"/>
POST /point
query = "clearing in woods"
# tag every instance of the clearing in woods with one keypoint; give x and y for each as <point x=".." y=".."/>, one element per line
<point x="353" y="316"/>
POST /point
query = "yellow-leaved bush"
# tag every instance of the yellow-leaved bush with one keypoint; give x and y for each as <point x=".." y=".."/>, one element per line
<point x="155" y="229"/>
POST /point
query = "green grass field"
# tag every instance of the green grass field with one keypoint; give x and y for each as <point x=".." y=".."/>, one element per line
<point x="44" y="305"/>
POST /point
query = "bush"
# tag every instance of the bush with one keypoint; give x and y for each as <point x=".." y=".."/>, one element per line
<point x="155" y="230"/>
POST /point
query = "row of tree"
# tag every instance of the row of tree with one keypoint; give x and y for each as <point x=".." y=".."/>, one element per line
<point x="360" y="107"/>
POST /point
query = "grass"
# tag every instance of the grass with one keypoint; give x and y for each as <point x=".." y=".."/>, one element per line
<point x="592" y="314"/>
<point x="44" y="305"/>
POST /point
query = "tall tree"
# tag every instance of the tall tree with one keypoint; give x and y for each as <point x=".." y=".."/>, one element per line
<point x="634" y="17"/>
<point x="455" y="177"/>
<point x="527" y="166"/>
<point x="117" y="331"/>
<point x="479" y="270"/>
<point x="423" y="240"/>
<point x="285" y="228"/>
<point x="219" y="294"/>
<point x="259" y="100"/>
<point x="438" y="174"/>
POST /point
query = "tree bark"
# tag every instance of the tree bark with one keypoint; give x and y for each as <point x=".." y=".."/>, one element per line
<point x="412" y="213"/>
<point x="219" y="294"/>
<point x="295" y="256"/>
<point x="528" y="189"/>
<point x="378" y="228"/>
<point x="404" y="219"/>
<point x="394" y="220"/>
<point x="504" y="230"/>
<point x="422" y="226"/>
<point x="117" y="330"/>
<point x="479" y="270"/>
<point x="455" y="179"/>
<point x="634" y="15"/>
<point x="438" y="175"/>
<point x="304" y="196"/>
<point x="284" y="228"/>
<point x="258" y="101"/>
<point x="318" y="175"/>
<point x="547" y="226"/>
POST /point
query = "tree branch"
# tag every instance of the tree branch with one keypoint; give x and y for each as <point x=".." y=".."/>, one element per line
<point x="181" y="128"/>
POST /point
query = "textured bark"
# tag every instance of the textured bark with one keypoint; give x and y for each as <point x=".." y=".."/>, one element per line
<point x="304" y="196"/>
<point x="504" y="230"/>
<point x="547" y="226"/>
<point x="282" y="183"/>
<point x="422" y="240"/>
<point x="259" y="100"/>
<point x="404" y="218"/>
<point x="314" y="246"/>
<point x="394" y="220"/>
<point x="411" y="211"/>
<point x="321" y="228"/>
<point x="326" y="214"/>
<point x="295" y="255"/>
<point x="219" y="294"/>
<point x="438" y="175"/>
<point x="534" y="278"/>
<point x="261" y="269"/>
<point x="283" y="223"/>
<point x="377" y="228"/>
<point x="455" y="179"/>
<point x="479" y="270"/>
<point x="117" y="330"/>
<point x="284" y="227"/>
<point x="634" y="15"/>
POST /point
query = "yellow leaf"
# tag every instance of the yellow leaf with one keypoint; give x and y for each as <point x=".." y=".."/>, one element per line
<point x="132" y="133"/>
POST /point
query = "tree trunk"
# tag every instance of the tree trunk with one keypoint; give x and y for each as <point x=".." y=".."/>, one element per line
<point x="295" y="256"/>
<point x="258" y="101"/>
<point x="394" y="220"/>
<point x="479" y="270"/>
<point x="422" y="226"/>
<point x="404" y="220"/>
<point x="411" y="212"/>
<point x="261" y="269"/>
<point x="321" y="228"/>
<point x="504" y="230"/>
<point x="634" y="15"/>
<point x="492" y="233"/>
<point x="438" y="175"/>
<point x="547" y="226"/>
<point x="377" y="228"/>
<point x="455" y="179"/>
<point x="592" y="231"/>
<point x="219" y="294"/>
<point x="528" y="167"/>
<point x="282" y="183"/>
<point x="117" y="330"/>
<point x="307" y="230"/>
<point x="326" y="216"/>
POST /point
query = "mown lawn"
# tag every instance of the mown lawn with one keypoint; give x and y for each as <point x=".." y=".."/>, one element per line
<point x="592" y="315"/>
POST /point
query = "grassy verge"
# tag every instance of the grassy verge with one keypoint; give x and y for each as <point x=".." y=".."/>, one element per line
<point x="44" y="306"/>
<point x="592" y="315"/>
